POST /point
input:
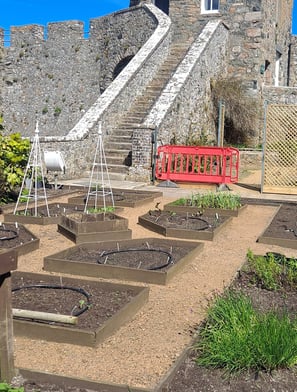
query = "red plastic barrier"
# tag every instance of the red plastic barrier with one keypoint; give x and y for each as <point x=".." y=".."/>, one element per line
<point x="218" y="165"/>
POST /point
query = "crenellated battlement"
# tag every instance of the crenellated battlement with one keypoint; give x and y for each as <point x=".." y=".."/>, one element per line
<point x="27" y="35"/>
<point x="69" y="32"/>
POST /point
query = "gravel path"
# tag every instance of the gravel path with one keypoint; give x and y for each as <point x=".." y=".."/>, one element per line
<point x="142" y="351"/>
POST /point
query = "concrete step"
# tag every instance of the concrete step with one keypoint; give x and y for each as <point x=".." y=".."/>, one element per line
<point x="118" y="160"/>
<point x="117" y="146"/>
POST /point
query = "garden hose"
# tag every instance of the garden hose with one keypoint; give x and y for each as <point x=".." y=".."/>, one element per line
<point x="168" y="254"/>
<point x="79" y="311"/>
<point x="13" y="236"/>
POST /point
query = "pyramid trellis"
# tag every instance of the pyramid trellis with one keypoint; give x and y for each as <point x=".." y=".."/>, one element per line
<point x="99" y="191"/>
<point x="33" y="184"/>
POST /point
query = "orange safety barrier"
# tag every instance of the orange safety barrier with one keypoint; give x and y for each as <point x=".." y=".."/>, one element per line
<point x="218" y="165"/>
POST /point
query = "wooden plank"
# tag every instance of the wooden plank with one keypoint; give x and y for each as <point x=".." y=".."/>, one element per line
<point x="280" y="189"/>
<point x="34" y="315"/>
<point x="6" y="335"/>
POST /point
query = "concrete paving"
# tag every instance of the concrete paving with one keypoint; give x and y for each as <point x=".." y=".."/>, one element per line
<point x="248" y="187"/>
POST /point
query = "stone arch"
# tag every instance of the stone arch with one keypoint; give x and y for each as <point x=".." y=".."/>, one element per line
<point x="121" y="65"/>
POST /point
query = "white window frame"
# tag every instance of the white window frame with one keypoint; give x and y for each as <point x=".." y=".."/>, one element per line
<point x="211" y="11"/>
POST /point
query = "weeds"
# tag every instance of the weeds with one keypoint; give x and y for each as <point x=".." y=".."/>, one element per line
<point x="4" y="387"/>
<point x="273" y="270"/>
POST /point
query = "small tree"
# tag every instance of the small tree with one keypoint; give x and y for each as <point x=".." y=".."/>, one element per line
<point x="241" y="110"/>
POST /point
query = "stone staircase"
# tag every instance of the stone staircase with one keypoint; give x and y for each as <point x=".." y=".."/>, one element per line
<point x="118" y="147"/>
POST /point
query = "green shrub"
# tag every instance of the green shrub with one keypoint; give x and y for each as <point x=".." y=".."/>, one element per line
<point x="14" y="153"/>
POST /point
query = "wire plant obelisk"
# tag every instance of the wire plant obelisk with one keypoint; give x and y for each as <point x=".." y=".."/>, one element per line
<point x="33" y="181"/>
<point x="99" y="185"/>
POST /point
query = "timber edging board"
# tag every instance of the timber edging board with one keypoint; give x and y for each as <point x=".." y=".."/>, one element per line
<point x="61" y="262"/>
<point x="79" y="336"/>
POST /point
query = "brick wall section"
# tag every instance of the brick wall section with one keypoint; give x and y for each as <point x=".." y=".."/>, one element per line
<point x="57" y="79"/>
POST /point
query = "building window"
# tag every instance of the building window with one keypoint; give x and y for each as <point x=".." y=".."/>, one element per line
<point x="208" y="6"/>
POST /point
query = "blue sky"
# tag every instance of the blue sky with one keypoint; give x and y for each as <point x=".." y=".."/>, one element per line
<point x="20" y="12"/>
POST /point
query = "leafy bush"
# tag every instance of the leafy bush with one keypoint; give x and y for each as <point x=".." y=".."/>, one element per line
<point x="14" y="155"/>
<point x="236" y="337"/>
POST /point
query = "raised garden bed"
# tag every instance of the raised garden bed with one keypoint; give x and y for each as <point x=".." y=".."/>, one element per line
<point x="172" y="207"/>
<point x="282" y="230"/>
<point x="148" y="260"/>
<point x="18" y="237"/>
<point x="82" y="228"/>
<point x="101" y="307"/>
<point x="121" y="197"/>
<point x="223" y="203"/>
<point x="187" y="376"/>
<point x="40" y="217"/>
<point x="51" y="193"/>
<point x="44" y="382"/>
<point x="184" y="225"/>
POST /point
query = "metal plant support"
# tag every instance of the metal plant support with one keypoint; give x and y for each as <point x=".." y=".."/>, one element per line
<point x="99" y="185"/>
<point x="33" y="184"/>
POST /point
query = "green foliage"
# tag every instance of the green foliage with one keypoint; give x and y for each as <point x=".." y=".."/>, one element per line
<point x="236" y="337"/>
<point x="98" y="210"/>
<point x="14" y="154"/>
<point x="273" y="270"/>
<point x="220" y="200"/>
<point x="4" y="387"/>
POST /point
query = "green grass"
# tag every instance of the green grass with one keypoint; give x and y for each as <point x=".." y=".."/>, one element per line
<point x="236" y="337"/>
<point x="220" y="200"/>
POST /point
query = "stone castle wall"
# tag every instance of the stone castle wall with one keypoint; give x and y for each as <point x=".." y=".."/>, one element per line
<point x="54" y="76"/>
<point x="78" y="146"/>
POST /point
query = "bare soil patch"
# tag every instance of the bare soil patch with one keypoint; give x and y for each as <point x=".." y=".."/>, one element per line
<point x="283" y="225"/>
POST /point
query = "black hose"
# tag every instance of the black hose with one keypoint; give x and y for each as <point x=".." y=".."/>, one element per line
<point x="168" y="254"/>
<point x="14" y="234"/>
<point x="78" y="312"/>
<point x="207" y="225"/>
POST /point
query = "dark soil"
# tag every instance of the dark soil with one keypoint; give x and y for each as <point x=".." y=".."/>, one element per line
<point x="100" y="304"/>
<point x="54" y="209"/>
<point x="51" y="192"/>
<point x="284" y="224"/>
<point x="13" y="235"/>
<point x="189" y="377"/>
<point x="146" y="256"/>
<point x="207" y="222"/>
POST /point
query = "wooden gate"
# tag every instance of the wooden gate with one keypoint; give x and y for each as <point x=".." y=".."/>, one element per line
<point x="280" y="150"/>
